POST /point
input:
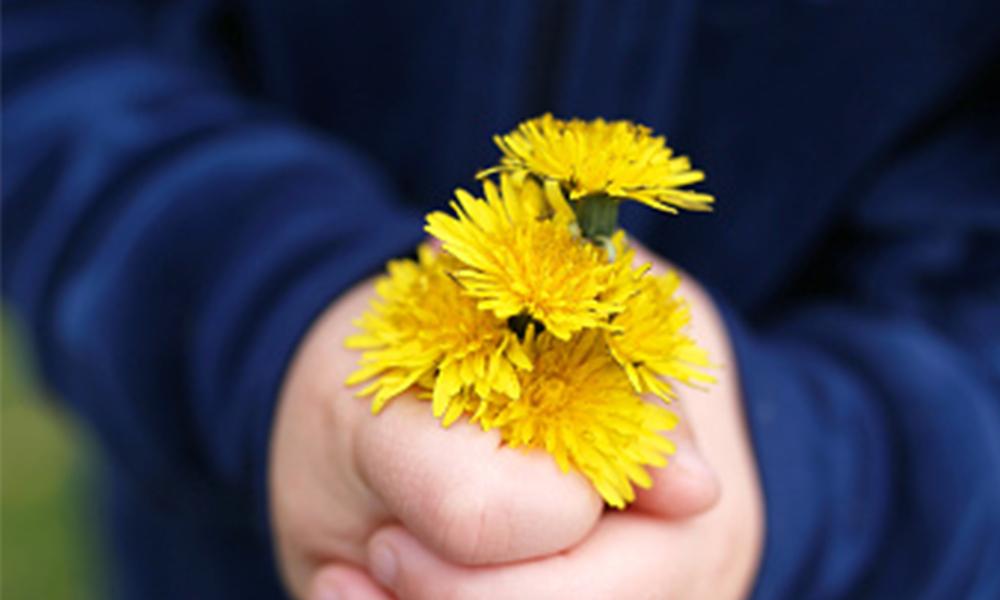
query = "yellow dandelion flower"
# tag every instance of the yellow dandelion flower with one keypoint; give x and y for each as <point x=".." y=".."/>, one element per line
<point x="578" y="405"/>
<point x="424" y="330"/>
<point x="522" y="257"/>
<point x="619" y="159"/>
<point x="625" y="279"/>
<point x="649" y="340"/>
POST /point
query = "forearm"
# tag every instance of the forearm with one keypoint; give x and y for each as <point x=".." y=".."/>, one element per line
<point x="875" y="440"/>
<point x="168" y="244"/>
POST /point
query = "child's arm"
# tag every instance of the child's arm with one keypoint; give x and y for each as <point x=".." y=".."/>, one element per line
<point x="167" y="243"/>
<point x="874" y="401"/>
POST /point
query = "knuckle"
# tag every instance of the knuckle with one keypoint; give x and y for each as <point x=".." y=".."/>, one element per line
<point x="466" y="530"/>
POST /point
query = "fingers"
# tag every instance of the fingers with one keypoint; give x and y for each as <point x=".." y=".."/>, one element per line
<point x="466" y="497"/>
<point x="343" y="582"/>
<point x="644" y="255"/>
<point x="687" y="485"/>
<point x="627" y="556"/>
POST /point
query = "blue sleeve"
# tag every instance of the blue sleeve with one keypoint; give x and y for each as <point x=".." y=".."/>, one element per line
<point x="168" y="244"/>
<point x="874" y="399"/>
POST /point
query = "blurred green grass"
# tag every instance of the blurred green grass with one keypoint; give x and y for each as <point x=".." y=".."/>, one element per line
<point x="48" y="532"/>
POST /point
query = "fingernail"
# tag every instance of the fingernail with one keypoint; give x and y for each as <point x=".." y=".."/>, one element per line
<point x="384" y="564"/>
<point x="689" y="459"/>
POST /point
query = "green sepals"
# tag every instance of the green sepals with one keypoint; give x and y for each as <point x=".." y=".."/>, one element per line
<point x="597" y="216"/>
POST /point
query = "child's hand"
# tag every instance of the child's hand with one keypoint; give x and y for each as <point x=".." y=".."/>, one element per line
<point x="339" y="475"/>
<point x="644" y="552"/>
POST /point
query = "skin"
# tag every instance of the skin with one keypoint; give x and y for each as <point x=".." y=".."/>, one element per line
<point x="374" y="507"/>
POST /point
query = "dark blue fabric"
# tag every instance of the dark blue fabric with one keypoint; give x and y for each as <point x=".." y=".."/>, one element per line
<point x="187" y="183"/>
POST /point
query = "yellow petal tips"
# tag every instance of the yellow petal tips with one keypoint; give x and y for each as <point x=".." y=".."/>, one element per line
<point x="619" y="159"/>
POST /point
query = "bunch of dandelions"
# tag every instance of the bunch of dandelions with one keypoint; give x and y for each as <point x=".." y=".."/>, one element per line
<point x="532" y="319"/>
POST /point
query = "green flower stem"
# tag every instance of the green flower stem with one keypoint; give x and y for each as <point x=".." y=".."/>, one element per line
<point x="597" y="216"/>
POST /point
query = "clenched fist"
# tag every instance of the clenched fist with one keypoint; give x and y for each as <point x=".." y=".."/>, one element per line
<point x="370" y="506"/>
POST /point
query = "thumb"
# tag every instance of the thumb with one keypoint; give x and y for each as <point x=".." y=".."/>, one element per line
<point x="687" y="485"/>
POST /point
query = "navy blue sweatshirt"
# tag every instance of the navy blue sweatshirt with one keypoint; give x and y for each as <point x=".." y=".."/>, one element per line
<point x="187" y="183"/>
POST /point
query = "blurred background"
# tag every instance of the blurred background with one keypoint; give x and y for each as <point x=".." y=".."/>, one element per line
<point x="50" y="521"/>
